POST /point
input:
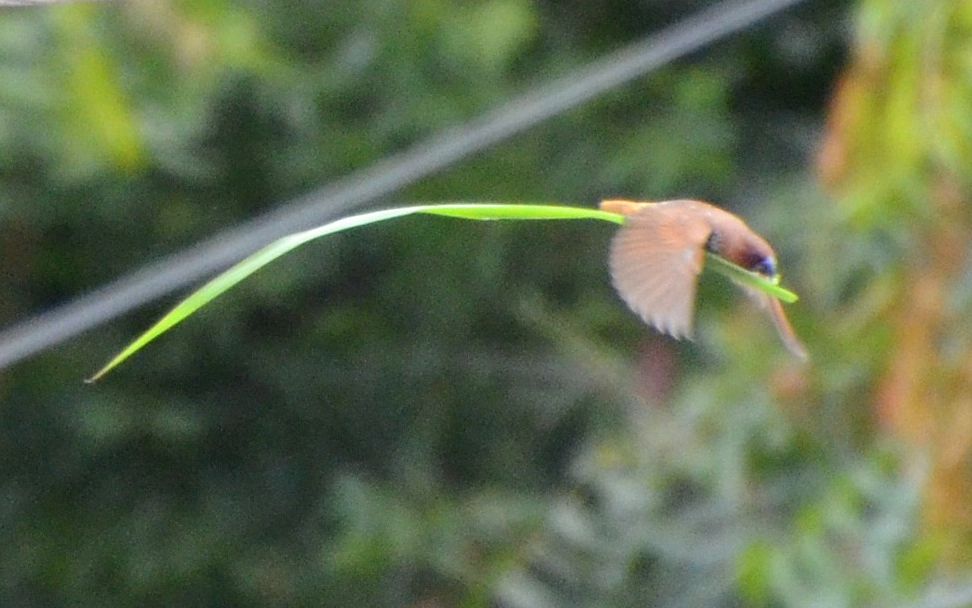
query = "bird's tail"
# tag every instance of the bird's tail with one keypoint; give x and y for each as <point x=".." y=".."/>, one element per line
<point x="622" y="207"/>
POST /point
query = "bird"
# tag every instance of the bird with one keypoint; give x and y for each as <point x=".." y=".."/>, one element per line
<point x="657" y="255"/>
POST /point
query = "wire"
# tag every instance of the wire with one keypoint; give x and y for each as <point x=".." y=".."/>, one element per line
<point x="4" y="3"/>
<point x="176" y="271"/>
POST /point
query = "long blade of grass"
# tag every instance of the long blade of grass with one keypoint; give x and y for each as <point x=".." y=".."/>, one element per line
<point x="750" y="279"/>
<point x="472" y="211"/>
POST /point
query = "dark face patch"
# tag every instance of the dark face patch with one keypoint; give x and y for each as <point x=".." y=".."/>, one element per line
<point x="750" y="253"/>
<point x="763" y="265"/>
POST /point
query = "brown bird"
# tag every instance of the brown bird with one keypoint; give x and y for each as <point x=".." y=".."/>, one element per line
<point x="658" y="254"/>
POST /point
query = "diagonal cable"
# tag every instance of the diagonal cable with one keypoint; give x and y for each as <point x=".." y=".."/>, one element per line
<point x="4" y="3"/>
<point x="178" y="270"/>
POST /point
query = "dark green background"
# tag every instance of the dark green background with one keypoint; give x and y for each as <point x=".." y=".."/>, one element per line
<point x="427" y="412"/>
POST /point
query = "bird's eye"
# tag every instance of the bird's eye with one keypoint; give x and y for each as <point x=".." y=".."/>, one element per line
<point x="765" y="267"/>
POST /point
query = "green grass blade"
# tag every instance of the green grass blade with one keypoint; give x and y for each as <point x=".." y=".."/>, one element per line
<point x="228" y="279"/>
<point x="750" y="279"/>
<point x="499" y="211"/>
<point x="471" y="211"/>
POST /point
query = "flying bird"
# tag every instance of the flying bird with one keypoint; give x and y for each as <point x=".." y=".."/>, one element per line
<point x="658" y="254"/>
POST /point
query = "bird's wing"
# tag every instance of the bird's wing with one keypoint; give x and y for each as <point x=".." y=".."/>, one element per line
<point x="655" y="261"/>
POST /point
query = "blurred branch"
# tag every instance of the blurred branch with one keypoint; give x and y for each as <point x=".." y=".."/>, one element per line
<point x="176" y="271"/>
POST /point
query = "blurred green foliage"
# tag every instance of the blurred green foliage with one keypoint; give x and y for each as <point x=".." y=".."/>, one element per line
<point x="437" y="413"/>
<point x="896" y="157"/>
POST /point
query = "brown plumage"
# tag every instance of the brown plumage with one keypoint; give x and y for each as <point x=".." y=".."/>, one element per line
<point x="658" y="254"/>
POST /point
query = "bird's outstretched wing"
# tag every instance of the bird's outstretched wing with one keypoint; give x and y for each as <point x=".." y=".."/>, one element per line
<point x="655" y="261"/>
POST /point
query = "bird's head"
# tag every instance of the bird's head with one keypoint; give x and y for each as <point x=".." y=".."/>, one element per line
<point x="738" y="243"/>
